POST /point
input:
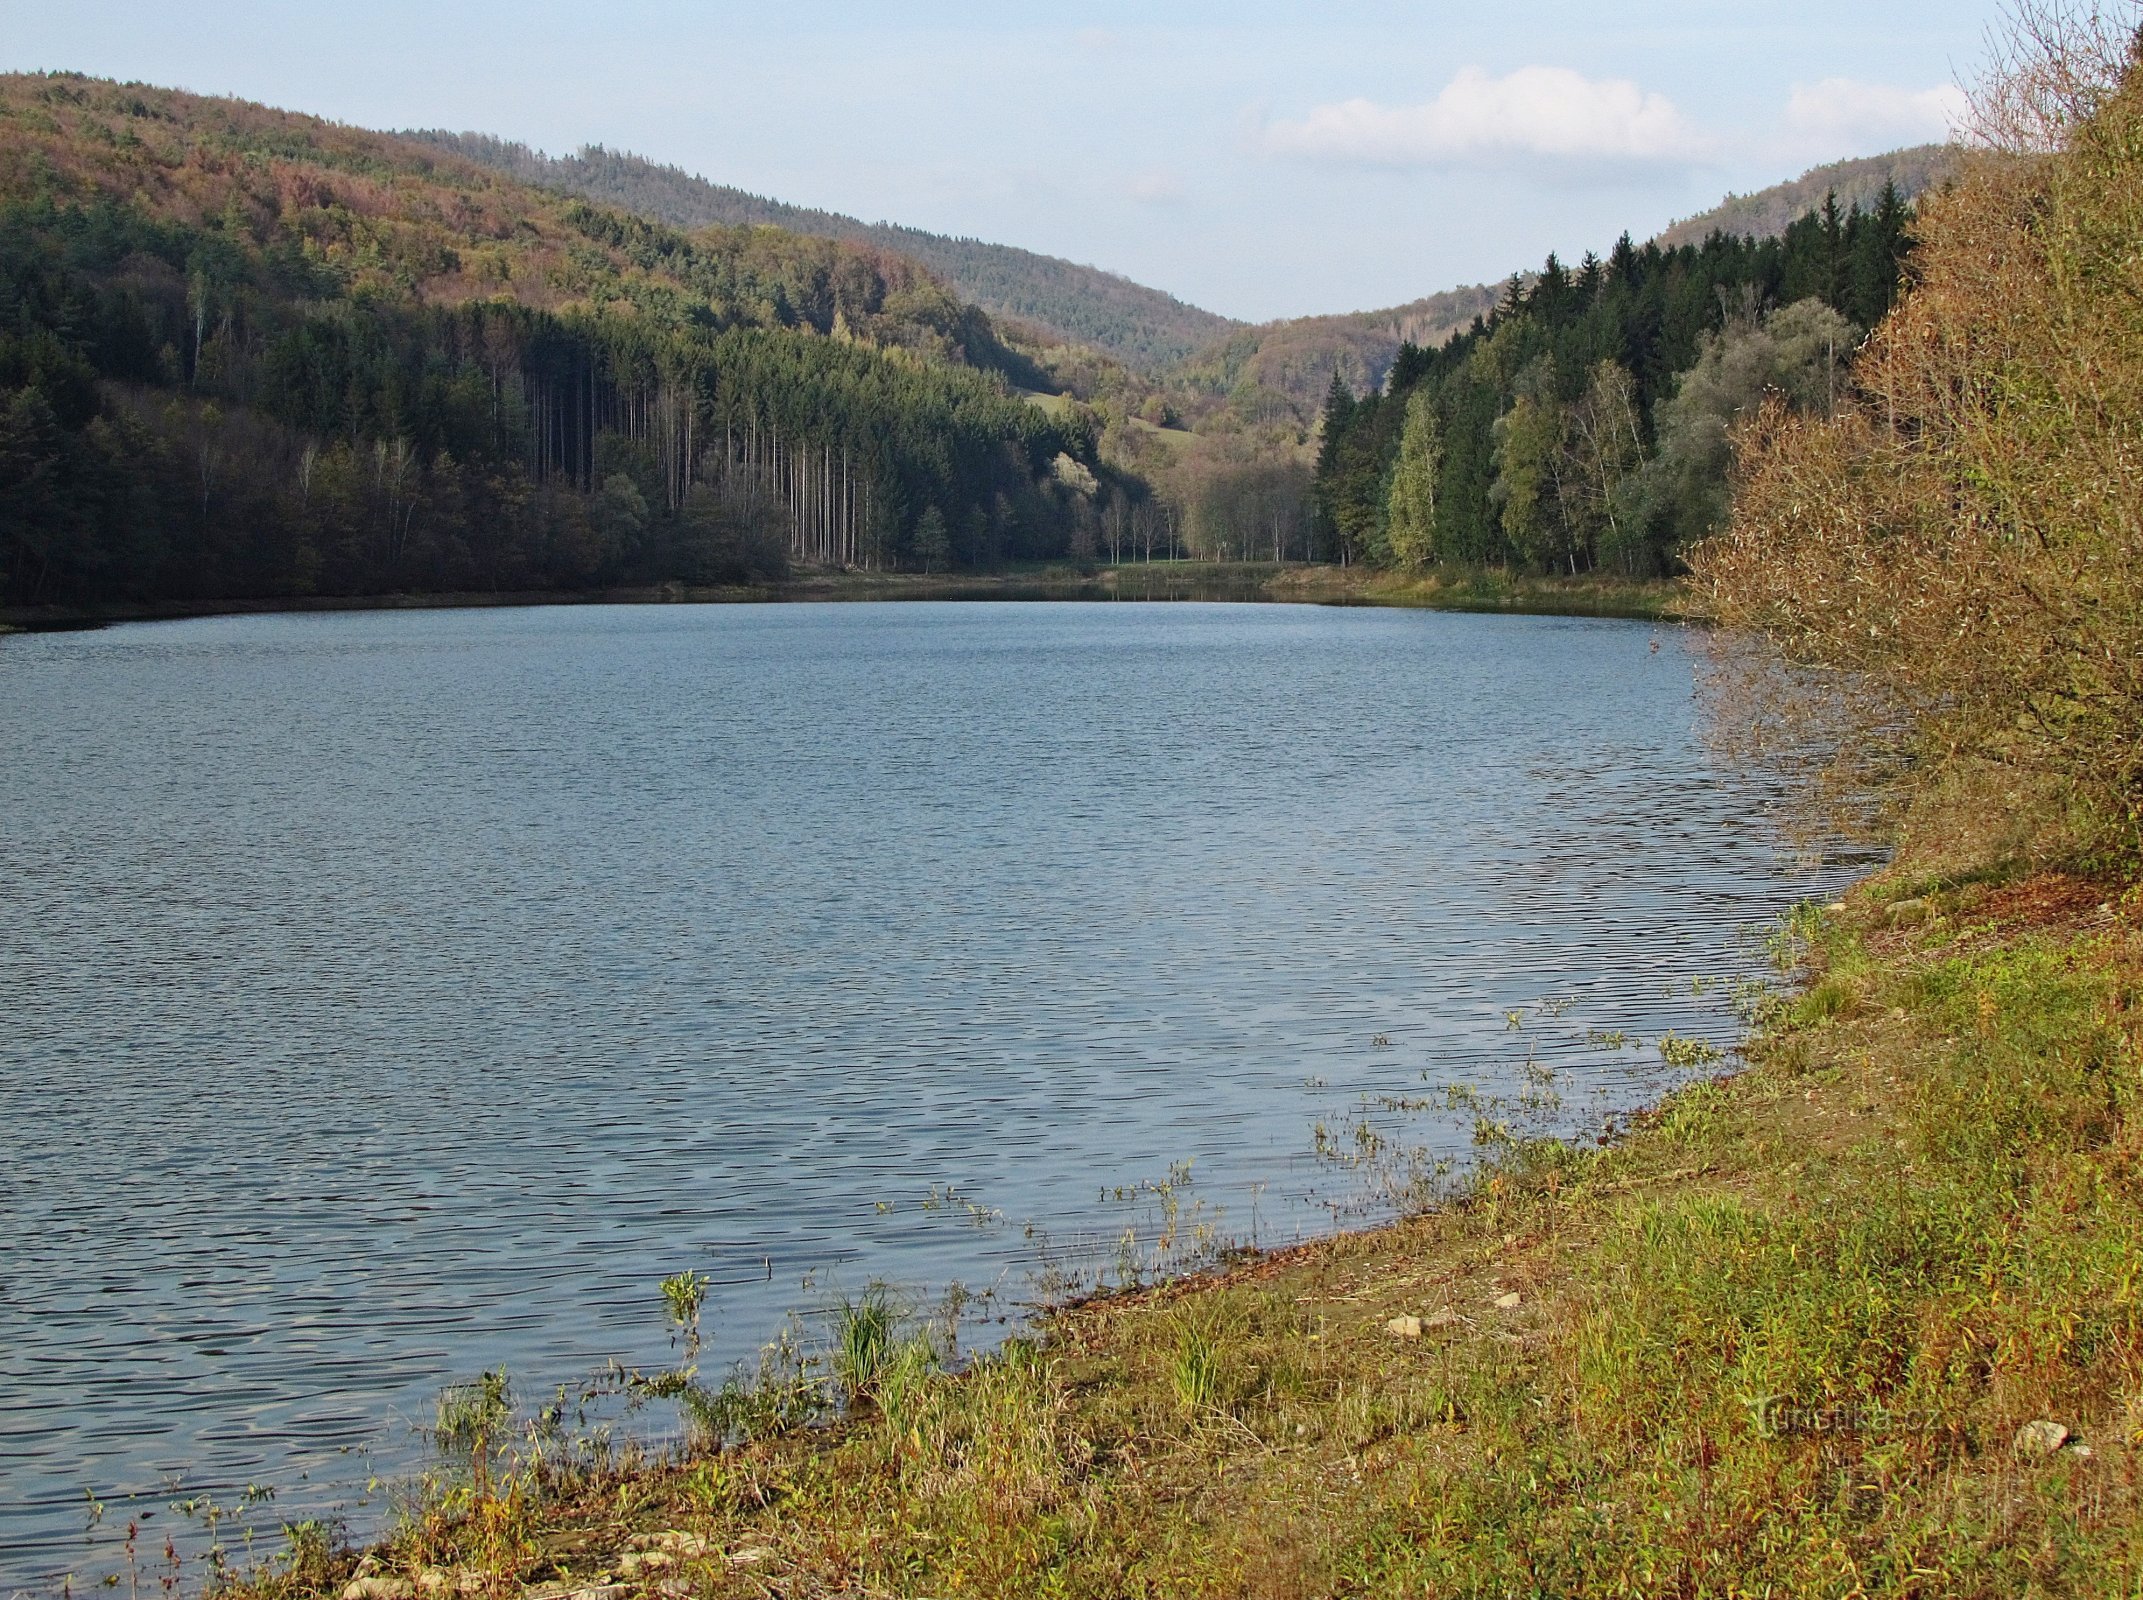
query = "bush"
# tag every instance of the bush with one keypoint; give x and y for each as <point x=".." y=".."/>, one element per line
<point x="1957" y="553"/>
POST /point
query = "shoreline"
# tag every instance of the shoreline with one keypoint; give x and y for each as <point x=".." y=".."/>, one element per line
<point x="1661" y="1353"/>
<point x="1188" y="581"/>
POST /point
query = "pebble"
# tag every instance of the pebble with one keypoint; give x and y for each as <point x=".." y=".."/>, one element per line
<point x="1404" y="1327"/>
<point x="1507" y="1302"/>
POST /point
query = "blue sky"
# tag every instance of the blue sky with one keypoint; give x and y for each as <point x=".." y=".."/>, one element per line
<point x="1260" y="159"/>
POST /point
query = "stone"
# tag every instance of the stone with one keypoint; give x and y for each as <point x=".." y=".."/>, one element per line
<point x="639" y="1563"/>
<point x="379" y="1588"/>
<point x="2041" y="1438"/>
<point x="1508" y="1302"/>
<point x="1404" y="1327"/>
<point x="433" y="1583"/>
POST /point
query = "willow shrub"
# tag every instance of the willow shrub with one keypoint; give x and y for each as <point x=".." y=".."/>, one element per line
<point x="1956" y="555"/>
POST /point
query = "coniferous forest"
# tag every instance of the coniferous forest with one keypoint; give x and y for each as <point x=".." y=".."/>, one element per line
<point x="1584" y="425"/>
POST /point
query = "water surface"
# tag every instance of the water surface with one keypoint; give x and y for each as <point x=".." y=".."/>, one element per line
<point x="390" y="996"/>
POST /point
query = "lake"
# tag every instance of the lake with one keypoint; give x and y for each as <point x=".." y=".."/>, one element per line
<point x="392" y="996"/>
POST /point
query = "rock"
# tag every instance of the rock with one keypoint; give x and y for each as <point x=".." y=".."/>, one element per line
<point x="2082" y="1452"/>
<point x="1836" y="907"/>
<point x="1508" y="1302"/>
<point x="1909" y="913"/>
<point x="379" y="1588"/>
<point x="639" y="1563"/>
<point x="2041" y="1438"/>
<point x="434" y="1583"/>
<point x="1404" y="1327"/>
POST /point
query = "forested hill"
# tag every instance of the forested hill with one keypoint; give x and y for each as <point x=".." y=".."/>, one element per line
<point x="1586" y="424"/>
<point x="1769" y="212"/>
<point x="1284" y="368"/>
<point x="1142" y="327"/>
<point x="249" y="353"/>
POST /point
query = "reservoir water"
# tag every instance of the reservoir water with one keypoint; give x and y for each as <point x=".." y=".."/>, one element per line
<point x="387" y="997"/>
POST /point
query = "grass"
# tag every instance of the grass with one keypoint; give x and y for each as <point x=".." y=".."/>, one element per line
<point x="1491" y="589"/>
<point x="1786" y="1336"/>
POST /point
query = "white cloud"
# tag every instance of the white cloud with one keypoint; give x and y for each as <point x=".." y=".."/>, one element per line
<point x="1549" y="113"/>
<point x="1848" y="115"/>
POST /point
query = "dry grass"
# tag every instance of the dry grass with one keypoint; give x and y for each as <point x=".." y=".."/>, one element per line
<point x="1490" y="589"/>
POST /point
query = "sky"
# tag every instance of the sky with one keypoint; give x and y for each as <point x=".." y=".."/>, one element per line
<point x="1259" y="159"/>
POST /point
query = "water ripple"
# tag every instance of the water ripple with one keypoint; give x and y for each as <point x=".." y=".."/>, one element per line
<point x="393" y="996"/>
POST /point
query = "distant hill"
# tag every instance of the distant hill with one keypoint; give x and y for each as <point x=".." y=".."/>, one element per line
<point x="1142" y="327"/>
<point x="1283" y="368"/>
<point x="1766" y="213"/>
<point x="1287" y="366"/>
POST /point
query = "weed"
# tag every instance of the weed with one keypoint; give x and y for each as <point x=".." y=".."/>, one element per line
<point x="1194" y="1368"/>
<point x="866" y="1332"/>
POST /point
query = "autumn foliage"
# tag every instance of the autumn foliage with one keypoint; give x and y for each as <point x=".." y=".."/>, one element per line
<point x="1956" y="554"/>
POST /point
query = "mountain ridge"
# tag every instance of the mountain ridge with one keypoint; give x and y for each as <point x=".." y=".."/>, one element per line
<point x="1144" y="327"/>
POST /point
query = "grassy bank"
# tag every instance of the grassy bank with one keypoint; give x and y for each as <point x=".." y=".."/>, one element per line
<point x="1158" y="580"/>
<point x="1488" y="589"/>
<point x="1862" y="1319"/>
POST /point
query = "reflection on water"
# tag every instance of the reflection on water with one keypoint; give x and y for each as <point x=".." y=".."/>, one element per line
<point x="393" y="996"/>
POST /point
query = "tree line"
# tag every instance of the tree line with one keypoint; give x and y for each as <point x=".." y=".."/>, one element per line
<point x="1583" y="425"/>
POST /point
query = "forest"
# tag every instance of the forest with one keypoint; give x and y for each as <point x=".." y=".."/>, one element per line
<point x="1054" y="299"/>
<point x="1584" y="423"/>
<point x="249" y="354"/>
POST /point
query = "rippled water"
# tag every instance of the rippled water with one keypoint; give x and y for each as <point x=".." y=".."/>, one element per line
<point x="392" y="996"/>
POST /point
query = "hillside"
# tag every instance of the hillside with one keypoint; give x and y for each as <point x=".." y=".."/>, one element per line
<point x="1767" y="213"/>
<point x="1143" y="327"/>
<point x="246" y="353"/>
<point x="1284" y="368"/>
<point x="1585" y="425"/>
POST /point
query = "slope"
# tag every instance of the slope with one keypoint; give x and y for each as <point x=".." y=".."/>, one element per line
<point x="246" y="353"/>
<point x="1768" y="212"/>
<point x="1140" y="326"/>
<point x="1284" y="368"/>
